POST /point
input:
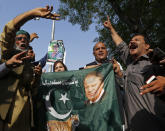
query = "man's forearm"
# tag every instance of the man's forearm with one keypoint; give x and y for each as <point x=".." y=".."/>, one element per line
<point x="21" y="19"/>
<point x="12" y="27"/>
<point x="116" y="38"/>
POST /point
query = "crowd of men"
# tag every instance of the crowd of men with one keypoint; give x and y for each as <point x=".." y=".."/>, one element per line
<point x="20" y="76"/>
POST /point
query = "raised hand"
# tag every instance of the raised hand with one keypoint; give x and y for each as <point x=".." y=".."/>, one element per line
<point x="107" y="23"/>
<point x="157" y="86"/>
<point x="91" y="66"/>
<point x="116" y="68"/>
<point x="116" y="38"/>
<point x="16" y="60"/>
<point x="38" y="70"/>
<point x="45" y="13"/>
<point x="33" y="36"/>
<point x="162" y="61"/>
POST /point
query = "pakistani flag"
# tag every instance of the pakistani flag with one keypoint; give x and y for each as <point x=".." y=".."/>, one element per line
<point x="82" y="100"/>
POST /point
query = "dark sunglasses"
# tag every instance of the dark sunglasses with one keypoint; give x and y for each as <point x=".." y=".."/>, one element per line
<point x="20" y="38"/>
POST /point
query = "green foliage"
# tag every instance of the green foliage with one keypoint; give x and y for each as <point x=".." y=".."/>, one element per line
<point x="128" y="17"/>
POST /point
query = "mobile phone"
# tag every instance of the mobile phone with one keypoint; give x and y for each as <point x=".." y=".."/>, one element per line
<point x="152" y="78"/>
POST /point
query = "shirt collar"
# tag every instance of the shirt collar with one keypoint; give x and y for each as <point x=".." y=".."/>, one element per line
<point x="105" y="61"/>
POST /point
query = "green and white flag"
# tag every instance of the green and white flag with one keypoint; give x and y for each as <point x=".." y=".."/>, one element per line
<point x="83" y="99"/>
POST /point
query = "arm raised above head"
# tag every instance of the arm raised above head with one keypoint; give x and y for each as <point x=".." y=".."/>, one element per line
<point x="33" y="36"/>
<point x="7" y="37"/>
<point x="116" y="38"/>
<point x="45" y="12"/>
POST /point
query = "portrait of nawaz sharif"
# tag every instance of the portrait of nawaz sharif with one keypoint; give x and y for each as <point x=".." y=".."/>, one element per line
<point x="93" y="84"/>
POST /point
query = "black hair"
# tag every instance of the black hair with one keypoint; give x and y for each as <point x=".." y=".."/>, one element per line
<point x="144" y="36"/>
<point x="58" y="61"/>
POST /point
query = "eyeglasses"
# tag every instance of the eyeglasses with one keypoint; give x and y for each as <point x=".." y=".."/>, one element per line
<point x="20" y="38"/>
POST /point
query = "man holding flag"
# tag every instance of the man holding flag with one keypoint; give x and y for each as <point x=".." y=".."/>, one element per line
<point x="66" y="95"/>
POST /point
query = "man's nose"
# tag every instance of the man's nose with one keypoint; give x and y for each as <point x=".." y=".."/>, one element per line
<point x="90" y="89"/>
<point x="131" y="42"/>
<point x="23" y="39"/>
<point x="100" y="49"/>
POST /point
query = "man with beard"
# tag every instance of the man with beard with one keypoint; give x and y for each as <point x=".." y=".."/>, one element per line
<point x="143" y="112"/>
<point x="17" y="86"/>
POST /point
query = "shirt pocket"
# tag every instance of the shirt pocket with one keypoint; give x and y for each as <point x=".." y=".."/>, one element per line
<point x="142" y="73"/>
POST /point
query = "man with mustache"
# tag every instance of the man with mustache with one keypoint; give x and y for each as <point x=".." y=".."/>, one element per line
<point x="17" y="86"/>
<point x="100" y="52"/>
<point x="143" y="112"/>
<point x="101" y="56"/>
<point x="22" y="40"/>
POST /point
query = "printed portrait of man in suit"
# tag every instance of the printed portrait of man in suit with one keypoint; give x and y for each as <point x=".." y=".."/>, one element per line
<point x="93" y="84"/>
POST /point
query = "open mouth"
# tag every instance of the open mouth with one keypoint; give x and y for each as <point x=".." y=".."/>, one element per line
<point x="133" y="46"/>
<point x="23" y="46"/>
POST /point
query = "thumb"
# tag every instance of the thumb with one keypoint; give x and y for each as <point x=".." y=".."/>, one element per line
<point x="114" y="61"/>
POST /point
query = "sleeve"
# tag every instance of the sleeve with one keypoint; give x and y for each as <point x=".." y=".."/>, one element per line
<point x="120" y="81"/>
<point x="123" y="51"/>
<point x="42" y="61"/>
<point x="3" y="70"/>
<point x="7" y="37"/>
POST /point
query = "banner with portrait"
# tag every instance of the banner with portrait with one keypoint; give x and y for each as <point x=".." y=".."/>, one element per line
<point x="83" y="99"/>
<point x="56" y="51"/>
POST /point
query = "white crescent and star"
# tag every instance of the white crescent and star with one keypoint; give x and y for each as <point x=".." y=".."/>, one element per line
<point x="51" y="110"/>
<point x="64" y="98"/>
